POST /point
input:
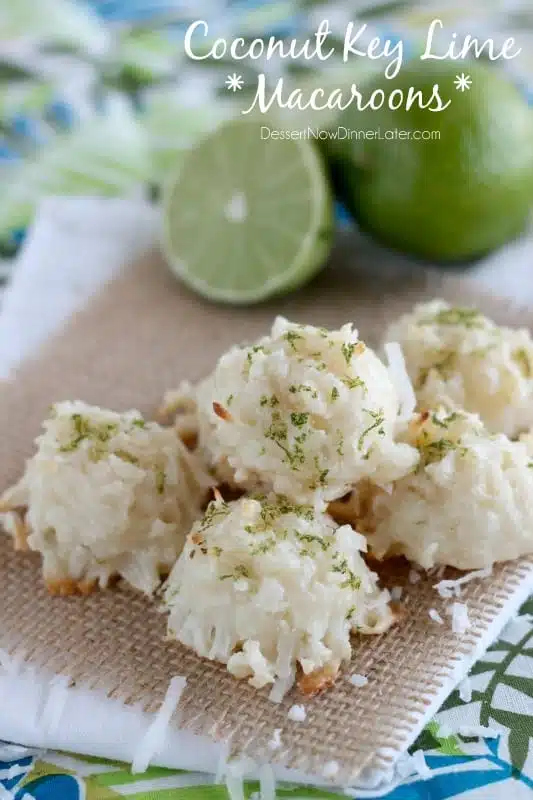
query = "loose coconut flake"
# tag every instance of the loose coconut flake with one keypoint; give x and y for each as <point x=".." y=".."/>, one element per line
<point x="400" y="378"/>
<point x="419" y="764"/>
<point x="275" y="741"/>
<point x="358" y="680"/>
<point x="465" y="690"/>
<point x="155" y="735"/>
<point x="460" y="618"/>
<point x="435" y="616"/>
<point x="55" y="704"/>
<point x="452" y="588"/>
<point x="267" y="783"/>
<point x="297" y="713"/>
<point x="330" y="769"/>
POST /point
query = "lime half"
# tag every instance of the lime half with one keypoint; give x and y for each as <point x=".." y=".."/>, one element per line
<point x="247" y="216"/>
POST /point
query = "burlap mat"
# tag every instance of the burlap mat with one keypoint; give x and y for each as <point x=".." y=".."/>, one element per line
<point x="142" y="335"/>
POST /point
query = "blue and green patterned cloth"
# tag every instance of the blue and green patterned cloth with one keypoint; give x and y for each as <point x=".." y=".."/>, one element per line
<point x="98" y="98"/>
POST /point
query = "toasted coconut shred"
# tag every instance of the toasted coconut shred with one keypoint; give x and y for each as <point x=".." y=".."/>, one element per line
<point x="107" y="494"/>
<point x="268" y="586"/>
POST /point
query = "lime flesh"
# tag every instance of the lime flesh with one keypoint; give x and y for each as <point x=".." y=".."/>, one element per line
<point x="248" y="218"/>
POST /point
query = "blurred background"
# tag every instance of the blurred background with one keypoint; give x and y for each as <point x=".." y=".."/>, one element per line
<point x="98" y="98"/>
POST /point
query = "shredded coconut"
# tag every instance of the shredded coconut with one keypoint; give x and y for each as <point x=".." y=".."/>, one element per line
<point x="414" y="576"/>
<point x="108" y="494"/>
<point x="358" y="680"/>
<point x="223" y="759"/>
<point x="460" y="618"/>
<point x="12" y="664"/>
<point x="308" y="588"/>
<point x="452" y="588"/>
<point x="331" y="768"/>
<point x="419" y="764"/>
<point x="306" y="411"/>
<point x="54" y="705"/>
<point x="459" y="358"/>
<point x="275" y="741"/>
<point x="400" y="378"/>
<point x="155" y="735"/>
<point x="415" y="764"/>
<point x="234" y="780"/>
<point x="267" y="783"/>
<point x="404" y="766"/>
<point x="465" y="690"/>
<point x="435" y="616"/>
<point x="297" y="713"/>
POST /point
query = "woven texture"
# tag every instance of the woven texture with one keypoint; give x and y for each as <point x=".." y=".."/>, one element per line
<point x="142" y="335"/>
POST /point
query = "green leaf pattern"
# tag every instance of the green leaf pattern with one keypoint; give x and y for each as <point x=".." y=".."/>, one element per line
<point x="502" y="696"/>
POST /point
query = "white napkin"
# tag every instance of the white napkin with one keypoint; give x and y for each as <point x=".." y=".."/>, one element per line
<point x="75" y="246"/>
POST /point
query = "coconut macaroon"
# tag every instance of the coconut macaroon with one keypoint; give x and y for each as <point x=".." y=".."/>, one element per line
<point x="105" y="494"/>
<point x="306" y="411"/>
<point x="458" y="357"/>
<point x="468" y="504"/>
<point x="267" y="586"/>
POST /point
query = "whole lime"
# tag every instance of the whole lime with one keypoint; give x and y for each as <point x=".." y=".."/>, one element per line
<point x="447" y="185"/>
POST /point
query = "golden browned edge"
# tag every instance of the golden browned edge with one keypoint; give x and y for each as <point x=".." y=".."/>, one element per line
<point x="142" y="335"/>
